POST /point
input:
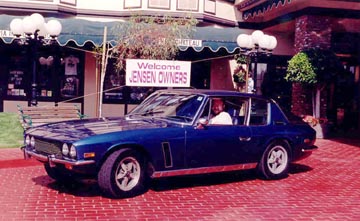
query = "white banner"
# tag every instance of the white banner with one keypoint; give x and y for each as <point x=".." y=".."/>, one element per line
<point x="157" y="73"/>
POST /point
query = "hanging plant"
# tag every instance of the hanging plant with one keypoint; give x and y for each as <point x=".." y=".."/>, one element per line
<point x="239" y="75"/>
<point x="242" y="59"/>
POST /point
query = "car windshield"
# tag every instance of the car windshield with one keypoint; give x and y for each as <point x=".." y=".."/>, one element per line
<point x="172" y="106"/>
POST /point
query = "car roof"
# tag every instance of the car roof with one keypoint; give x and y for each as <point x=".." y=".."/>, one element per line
<point x="208" y="92"/>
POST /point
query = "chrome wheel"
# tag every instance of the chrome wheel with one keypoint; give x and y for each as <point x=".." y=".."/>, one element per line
<point x="127" y="173"/>
<point x="277" y="159"/>
<point x="274" y="163"/>
<point x="123" y="174"/>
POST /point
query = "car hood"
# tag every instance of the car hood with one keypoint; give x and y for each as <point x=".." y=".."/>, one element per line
<point x="79" y="129"/>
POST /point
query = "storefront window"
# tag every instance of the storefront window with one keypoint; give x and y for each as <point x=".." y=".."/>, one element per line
<point x="45" y="76"/>
<point x="16" y="83"/>
<point x="115" y="90"/>
<point x="59" y="75"/>
<point x="70" y="81"/>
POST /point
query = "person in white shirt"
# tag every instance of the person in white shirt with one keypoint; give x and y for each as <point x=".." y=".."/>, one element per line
<point x="250" y="84"/>
<point x="219" y="115"/>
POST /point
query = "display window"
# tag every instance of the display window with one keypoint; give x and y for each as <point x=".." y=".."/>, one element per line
<point x="45" y="76"/>
<point x="59" y="75"/>
<point x="17" y="78"/>
<point x="71" y="76"/>
<point x="115" y="90"/>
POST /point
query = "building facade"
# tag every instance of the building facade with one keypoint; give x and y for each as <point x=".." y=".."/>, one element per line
<point x="324" y="24"/>
<point x="297" y="24"/>
<point x="83" y="26"/>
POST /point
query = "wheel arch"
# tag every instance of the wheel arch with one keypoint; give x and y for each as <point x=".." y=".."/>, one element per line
<point x="282" y="139"/>
<point x="129" y="146"/>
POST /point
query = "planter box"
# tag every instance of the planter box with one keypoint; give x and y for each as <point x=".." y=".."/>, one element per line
<point x="322" y="130"/>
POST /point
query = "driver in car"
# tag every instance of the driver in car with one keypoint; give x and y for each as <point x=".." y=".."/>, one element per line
<point x="219" y="115"/>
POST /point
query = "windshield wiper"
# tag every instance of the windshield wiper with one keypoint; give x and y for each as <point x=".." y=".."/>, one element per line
<point x="187" y="119"/>
<point x="146" y="113"/>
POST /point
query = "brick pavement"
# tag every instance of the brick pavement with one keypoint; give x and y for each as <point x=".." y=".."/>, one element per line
<point x="325" y="186"/>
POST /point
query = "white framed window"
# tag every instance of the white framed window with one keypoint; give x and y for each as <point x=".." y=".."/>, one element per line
<point x="42" y="0"/>
<point x="161" y="4"/>
<point x="132" y="4"/>
<point x="187" y="5"/>
<point x="69" y="2"/>
<point x="210" y="6"/>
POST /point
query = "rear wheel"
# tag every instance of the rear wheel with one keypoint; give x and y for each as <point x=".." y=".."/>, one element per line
<point x="275" y="161"/>
<point x="123" y="174"/>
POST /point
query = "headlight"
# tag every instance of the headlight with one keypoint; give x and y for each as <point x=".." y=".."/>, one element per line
<point x="32" y="141"/>
<point x="72" y="151"/>
<point x="27" y="140"/>
<point x="65" y="149"/>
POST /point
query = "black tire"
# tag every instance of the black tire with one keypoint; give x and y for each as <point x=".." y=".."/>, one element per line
<point x="274" y="163"/>
<point x="57" y="174"/>
<point x="123" y="174"/>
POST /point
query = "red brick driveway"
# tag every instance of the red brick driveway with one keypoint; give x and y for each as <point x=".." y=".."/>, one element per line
<point x="325" y="186"/>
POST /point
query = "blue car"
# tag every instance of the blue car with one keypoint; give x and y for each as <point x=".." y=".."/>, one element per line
<point x="170" y="134"/>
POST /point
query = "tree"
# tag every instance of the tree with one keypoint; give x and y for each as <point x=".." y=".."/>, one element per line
<point x="151" y="37"/>
<point x="144" y="37"/>
<point x="315" y="68"/>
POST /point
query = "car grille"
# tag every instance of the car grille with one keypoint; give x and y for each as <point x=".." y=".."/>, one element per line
<point x="47" y="147"/>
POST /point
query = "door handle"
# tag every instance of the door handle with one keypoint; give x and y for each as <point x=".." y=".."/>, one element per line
<point x="244" y="138"/>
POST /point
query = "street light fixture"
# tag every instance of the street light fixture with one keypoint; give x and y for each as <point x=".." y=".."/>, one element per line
<point x="255" y="45"/>
<point x="36" y="32"/>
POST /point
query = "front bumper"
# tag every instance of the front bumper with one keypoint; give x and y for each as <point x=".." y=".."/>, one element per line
<point x="51" y="159"/>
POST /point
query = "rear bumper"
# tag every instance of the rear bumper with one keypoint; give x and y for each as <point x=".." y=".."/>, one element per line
<point x="309" y="148"/>
<point x="304" y="152"/>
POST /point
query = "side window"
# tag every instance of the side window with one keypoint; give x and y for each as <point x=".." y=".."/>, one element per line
<point x="236" y="107"/>
<point x="216" y="112"/>
<point x="219" y="111"/>
<point x="259" y="112"/>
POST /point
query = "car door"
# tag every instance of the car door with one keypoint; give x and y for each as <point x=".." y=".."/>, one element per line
<point x="217" y="145"/>
<point x="261" y="129"/>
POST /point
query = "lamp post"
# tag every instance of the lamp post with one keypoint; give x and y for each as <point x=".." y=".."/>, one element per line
<point x="255" y="45"/>
<point x="36" y="32"/>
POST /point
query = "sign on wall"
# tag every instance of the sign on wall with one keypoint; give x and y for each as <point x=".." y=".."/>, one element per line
<point x="189" y="42"/>
<point x="157" y="73"/>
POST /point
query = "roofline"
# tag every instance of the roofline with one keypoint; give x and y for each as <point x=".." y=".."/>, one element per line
<point x="208" y="92"/>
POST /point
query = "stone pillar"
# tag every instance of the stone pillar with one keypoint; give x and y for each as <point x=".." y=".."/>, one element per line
<point x="310" y="32"/>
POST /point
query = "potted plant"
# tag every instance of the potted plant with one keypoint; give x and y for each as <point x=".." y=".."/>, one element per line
<point x="320" y="125"/>
<point x="314" y="68"/>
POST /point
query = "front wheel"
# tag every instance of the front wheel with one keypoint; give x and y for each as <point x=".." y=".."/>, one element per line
<point x="275" y="161"/>
<point x="123" y="174"/>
